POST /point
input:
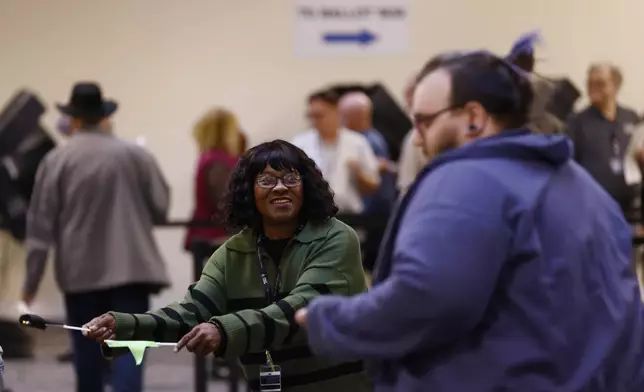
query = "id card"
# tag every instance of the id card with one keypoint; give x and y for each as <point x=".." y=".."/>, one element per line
<point x="270" y="379"/>
<point x="616" y="165"/>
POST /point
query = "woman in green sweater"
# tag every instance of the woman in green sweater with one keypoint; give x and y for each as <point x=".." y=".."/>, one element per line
<point x="290" y="250"/>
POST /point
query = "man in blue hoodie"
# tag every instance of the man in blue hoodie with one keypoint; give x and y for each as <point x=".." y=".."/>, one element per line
<point x="506" y="267"/>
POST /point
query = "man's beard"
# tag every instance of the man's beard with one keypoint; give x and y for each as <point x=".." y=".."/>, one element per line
<point x="446" y="140"/>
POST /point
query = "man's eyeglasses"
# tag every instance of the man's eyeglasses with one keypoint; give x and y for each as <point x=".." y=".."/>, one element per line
<point x="424" y="121"/>
<point x="269" y="181"/>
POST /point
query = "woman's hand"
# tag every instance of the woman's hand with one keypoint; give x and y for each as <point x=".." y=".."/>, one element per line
<point x="203" y="339"/>
<point x="101" y="328"/>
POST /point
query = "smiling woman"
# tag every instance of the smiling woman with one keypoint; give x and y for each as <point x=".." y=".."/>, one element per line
<point x="270" y="171"/>
<point x="290" y="250"/>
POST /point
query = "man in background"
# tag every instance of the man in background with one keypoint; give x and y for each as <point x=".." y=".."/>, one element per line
<point x="65" y="128"/>
<point x="356" y="113"/>
<point x="601" y="134"/>
<point x="95" y="202"/>
<point x="344" y="157"/>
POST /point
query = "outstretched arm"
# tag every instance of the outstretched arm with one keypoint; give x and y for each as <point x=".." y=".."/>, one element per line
<point x="327" y="272"/>
<point x="204" y="299"/>
<point x="448" y="255"/>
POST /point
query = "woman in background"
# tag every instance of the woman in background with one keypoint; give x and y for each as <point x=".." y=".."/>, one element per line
<point x="220" y="144"/>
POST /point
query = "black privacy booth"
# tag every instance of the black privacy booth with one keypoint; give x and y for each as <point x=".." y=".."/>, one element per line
<point x="563" y="99"/>
<point x="388" y="117"/>
<point x="23" y="144"/>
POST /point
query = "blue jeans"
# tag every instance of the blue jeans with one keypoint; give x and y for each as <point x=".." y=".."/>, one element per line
<point x="89" y="363"/>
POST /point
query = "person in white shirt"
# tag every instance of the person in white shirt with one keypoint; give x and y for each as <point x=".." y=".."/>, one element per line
<point x="345" y="158"/>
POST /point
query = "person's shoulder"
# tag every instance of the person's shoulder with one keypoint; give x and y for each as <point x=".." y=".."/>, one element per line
<point x="243" y="241"/>
<point x="330" y="231"/>
<point x="355" y="139"/>
<point x="461" y="180"/>
<point x="56" y="156"/>
<point x="583" y="113"/>
<point x="303" y="137"/>
<point x="131" y="149"/>
<point x="578" y="117"/>
<point x="376" y="135"/>
<point x="629" y="114"/>
<point x="340" y="231"/>
<point x="335" y="225"/>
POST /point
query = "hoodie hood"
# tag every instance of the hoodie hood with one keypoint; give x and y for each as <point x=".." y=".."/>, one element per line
<point x="521" y="144"/>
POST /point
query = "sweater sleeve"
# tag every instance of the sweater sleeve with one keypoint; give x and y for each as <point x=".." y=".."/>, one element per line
<point x="204" y="299"/>
<point x="254" y="330"/>
<point x="449" y="252"/>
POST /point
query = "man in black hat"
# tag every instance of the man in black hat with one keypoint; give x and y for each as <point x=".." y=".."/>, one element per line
<point x="95" y="202"/>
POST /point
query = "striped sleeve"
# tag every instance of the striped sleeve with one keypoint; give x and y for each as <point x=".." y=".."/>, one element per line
<point x="252" y="330"/>
<point x="204" y="300"/>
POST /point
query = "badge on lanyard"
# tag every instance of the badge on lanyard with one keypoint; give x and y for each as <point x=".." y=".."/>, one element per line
<point x="270" y="376"/>
<point x="270" y="379"/>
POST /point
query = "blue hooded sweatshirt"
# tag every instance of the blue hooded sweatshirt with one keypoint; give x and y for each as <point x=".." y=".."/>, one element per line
<point x="507" y="268"/>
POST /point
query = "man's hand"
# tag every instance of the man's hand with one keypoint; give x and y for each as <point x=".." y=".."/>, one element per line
<point x="639" y="156"/>
<point x="101" y="328"/>
<point x="354" y="166"/>
<point x="386" y="166"/>
<point x="301" y="317"/>
<point x="203" y="339"/>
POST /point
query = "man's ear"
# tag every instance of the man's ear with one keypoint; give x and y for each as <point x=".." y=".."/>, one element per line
<point x="476" y="116"/>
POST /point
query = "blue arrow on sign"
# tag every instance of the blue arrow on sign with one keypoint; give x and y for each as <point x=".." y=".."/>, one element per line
<point x="363" y="37"/>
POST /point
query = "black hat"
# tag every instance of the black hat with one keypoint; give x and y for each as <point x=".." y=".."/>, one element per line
<point x="87" y="101"/>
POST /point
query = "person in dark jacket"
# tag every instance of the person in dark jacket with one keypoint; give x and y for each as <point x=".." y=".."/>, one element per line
<point x="507" y="267"/>
<point x="602" y="132"/>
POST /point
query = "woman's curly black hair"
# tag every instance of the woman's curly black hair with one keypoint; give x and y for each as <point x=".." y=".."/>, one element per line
<point x="239" y="204"/>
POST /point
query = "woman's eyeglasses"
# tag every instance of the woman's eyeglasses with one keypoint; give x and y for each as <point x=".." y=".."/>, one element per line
<point x="269" y="181"/>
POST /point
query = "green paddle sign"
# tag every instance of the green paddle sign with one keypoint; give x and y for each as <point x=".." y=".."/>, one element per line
<point x="136" y="347"/>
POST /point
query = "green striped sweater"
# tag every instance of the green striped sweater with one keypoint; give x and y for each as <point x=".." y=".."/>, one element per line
<point x="323" y="259"/>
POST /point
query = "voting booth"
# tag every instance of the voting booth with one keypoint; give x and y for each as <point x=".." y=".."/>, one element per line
<point x="23" y="144"/>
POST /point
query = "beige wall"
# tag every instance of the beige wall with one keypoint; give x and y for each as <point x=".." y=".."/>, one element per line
<point x="167" y="61"/>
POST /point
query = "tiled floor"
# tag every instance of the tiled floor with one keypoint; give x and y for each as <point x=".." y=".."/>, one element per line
<point x="165" y="370"/>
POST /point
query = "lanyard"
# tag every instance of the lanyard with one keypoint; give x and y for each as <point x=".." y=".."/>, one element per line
<point x="271" y="296"/>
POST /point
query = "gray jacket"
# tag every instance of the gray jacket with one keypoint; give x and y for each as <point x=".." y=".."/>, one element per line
<point x="95" y="202"/>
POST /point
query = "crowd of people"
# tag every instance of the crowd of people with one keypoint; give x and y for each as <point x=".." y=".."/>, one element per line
<point x="502" y="260"/>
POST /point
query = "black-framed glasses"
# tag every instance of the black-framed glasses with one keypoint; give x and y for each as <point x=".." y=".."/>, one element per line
<point x="424" y="121"/>
<point x="269" y="181"/>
